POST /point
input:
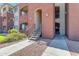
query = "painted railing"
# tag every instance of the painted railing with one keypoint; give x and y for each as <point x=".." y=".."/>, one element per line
<point x="30" y="30"/>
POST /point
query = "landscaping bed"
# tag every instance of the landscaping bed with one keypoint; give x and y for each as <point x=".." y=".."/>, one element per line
<point x="9" y="43"/>
<point x="12" y="37"/>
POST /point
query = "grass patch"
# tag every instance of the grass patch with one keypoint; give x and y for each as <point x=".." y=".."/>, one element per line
<point x="2" y="38"/>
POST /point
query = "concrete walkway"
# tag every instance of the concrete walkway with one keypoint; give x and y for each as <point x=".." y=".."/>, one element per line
<point x="73" y="47"/>
<point x="15" y="47"/>
<point x="57" y="47"/>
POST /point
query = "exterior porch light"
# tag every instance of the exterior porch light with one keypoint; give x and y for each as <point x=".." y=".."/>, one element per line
<point x="46" y="14"/>
<point x="30" y="18"/>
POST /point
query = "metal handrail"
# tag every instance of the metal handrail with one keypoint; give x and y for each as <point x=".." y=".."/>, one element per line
<point x="29" y="28"/>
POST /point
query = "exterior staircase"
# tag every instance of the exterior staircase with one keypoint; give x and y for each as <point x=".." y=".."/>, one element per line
<point x="35" y="35"/>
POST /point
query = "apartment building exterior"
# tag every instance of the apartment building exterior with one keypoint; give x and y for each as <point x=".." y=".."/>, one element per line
<point x="50" y="18"/>
<point x="0" y="23"/>
<point x="16" y="17"/>
<point x="6" y="17"/>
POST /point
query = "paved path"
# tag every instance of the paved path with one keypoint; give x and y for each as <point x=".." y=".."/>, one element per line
<point x="57" y="47"/>
<point x="15" y="47"/>
<point x="73" y="47"/>
<point x="35" y="49"/>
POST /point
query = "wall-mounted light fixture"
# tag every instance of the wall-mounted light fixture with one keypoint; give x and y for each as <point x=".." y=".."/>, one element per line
<point x="46" y="14"/>
<point x="30" y="18"/>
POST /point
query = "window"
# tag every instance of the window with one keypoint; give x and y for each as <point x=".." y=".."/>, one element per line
<point x="4" y="17"/>
<point x="4" y="28"/>
<point x="10" y="10"/>
<point x="23" y="26"/>
<point x="15" y="9"/>
<point x="24" y="11"/>
<point x="57" y="12"/>
<point x="4" y="9"/>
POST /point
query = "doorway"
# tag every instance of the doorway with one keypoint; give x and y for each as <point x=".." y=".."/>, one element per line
<point x="38" y="21"/>
<point x="57" y="28"/>
<point x="60" y="18"/>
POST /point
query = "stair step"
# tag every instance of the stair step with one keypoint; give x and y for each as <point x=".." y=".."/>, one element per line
<point x="32" y="38"/>
<point x="35" y="36"/>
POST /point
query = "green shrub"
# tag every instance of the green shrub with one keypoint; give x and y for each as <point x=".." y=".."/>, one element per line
<point x="12" y="31"/>
<point x="14" y="37"/>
